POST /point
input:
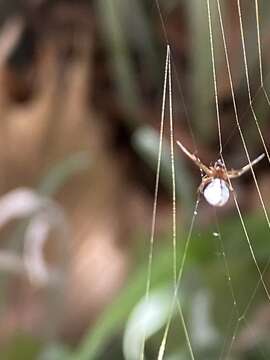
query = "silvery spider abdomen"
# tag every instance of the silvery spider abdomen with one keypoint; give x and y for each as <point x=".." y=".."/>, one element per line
<point x="216" y="192"/>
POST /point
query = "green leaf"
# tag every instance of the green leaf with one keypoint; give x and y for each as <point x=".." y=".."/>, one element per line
<point x="63" y="171"/>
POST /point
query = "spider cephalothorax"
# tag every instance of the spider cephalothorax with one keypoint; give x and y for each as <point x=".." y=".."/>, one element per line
<point x="215" y="184"/>
<point x="219" y="170"/>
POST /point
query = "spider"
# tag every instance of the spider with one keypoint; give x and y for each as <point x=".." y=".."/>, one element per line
<point x="215" y="185"/>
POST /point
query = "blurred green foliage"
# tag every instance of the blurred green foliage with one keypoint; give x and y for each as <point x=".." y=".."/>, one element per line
<point x="205" y="273"/>
<point x="21" y="346"/>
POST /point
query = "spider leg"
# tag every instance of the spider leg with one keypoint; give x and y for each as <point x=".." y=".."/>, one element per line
<point x="195" y="159"/>
<point x="205" y="180"/>
<point x="236" y="173"/>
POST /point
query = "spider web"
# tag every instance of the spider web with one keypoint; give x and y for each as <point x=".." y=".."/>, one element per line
<point x="242" y="316"/>
<point x="237" y="315"/>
